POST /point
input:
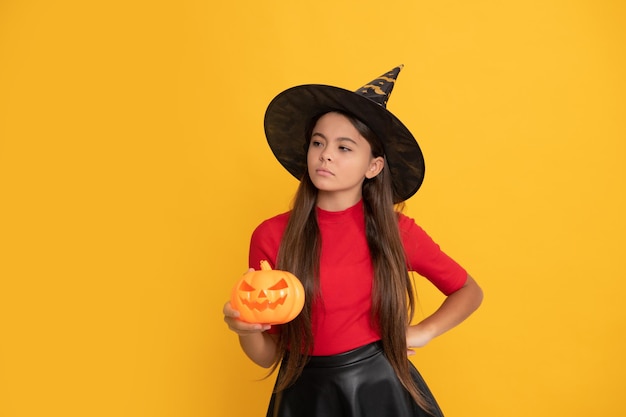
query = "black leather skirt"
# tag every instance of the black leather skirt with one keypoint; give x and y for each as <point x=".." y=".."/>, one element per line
<point x="358" y="383"/>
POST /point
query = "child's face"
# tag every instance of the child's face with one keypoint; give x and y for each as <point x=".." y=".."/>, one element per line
<point x="339" y="158"/>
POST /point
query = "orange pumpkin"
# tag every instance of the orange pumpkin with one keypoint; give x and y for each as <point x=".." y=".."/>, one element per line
<point x="268" y="296"/>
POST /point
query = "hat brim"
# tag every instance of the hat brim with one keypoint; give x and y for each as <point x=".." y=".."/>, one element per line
<point x="288" y="114"/>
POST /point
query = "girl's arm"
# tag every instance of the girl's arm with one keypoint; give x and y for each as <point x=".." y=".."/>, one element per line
<point x="256" y="343"/>
<point x="456" y="307"/>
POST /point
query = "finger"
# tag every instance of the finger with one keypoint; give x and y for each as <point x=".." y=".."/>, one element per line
<point x="243" y="328"/>
<point x="257" y="327"/>
<point x="229" y="311"/>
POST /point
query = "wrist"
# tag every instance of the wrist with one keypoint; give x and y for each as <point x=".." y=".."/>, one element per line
<point x="420" y="334"/>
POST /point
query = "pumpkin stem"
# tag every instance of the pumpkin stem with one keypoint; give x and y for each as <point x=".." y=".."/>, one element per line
<point x="265" y="266"/>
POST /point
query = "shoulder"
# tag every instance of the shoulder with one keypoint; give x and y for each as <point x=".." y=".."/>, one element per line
<point x="266" y="238"/>
<point x="425" y="257"/>
<point x="277" y="222"/>
<point x="408" y="227"/>
<point x="415" y="239"/>
<point x="273" y="227"/>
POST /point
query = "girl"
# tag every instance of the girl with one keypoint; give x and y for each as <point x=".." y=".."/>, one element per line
<point x="345" y="238"/>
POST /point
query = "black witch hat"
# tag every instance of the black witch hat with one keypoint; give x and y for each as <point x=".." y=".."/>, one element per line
<point x="289" y="113"/>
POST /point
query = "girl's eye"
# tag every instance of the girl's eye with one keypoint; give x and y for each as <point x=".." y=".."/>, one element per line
<point x="344" y="149"/>
<point x="316" y="143"/>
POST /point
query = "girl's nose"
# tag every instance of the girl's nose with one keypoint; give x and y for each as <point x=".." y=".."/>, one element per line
<point x="324" y="156"/>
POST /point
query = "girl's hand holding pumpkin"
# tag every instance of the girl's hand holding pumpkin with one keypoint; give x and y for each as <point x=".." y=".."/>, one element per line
<point x="242" y="328"/>
<point x="231" y="317"/>
<point x="259" y="345"/>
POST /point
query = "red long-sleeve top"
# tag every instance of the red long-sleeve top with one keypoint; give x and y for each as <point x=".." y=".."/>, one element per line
<point x="341" y="318"/>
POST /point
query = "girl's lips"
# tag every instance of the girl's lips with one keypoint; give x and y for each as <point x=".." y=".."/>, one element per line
<point x="324" y="172"/>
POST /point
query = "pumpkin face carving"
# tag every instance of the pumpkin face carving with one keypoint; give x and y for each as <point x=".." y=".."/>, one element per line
<point x="268" y="296"/>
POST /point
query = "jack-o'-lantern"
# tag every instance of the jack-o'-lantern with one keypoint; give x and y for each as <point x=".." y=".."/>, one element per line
<point x="268" y="296"/>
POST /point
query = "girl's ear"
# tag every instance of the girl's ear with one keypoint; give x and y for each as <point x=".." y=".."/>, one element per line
<point x="375" y="167"/>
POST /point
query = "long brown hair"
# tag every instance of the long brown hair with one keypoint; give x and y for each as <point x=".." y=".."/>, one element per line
<point x="393" y="299"/>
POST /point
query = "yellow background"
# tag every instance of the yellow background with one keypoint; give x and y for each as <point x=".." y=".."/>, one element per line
<point x="133" y="168"/>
